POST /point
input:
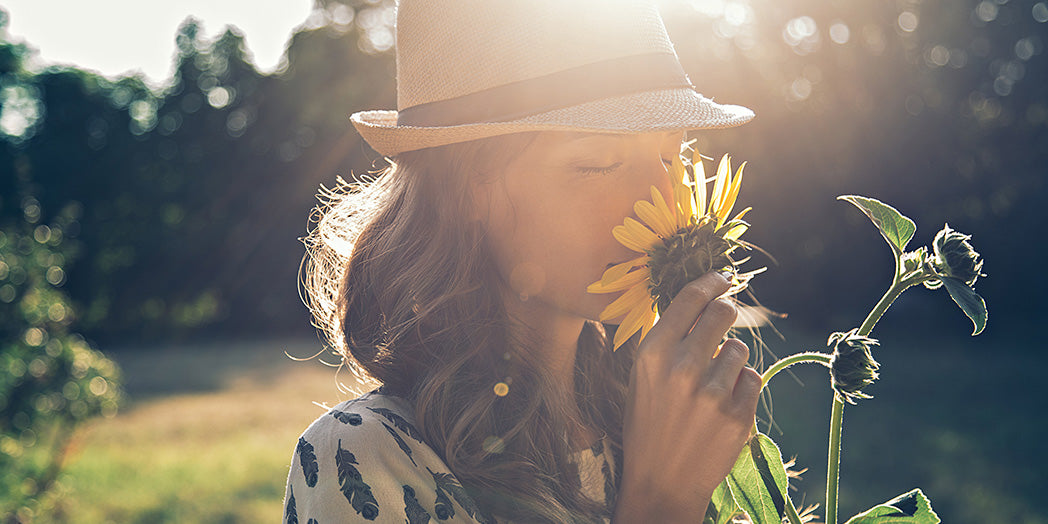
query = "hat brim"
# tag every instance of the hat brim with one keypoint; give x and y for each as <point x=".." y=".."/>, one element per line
<point x="650" y="111"/>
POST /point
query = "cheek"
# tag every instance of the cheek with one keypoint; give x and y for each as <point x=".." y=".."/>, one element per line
<point x="553" y="243"/>
<point x="512" y="228"/>
<point x="542" y="245"/>
<point x="580" y="244"/>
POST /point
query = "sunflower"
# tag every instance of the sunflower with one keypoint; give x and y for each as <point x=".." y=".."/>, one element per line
<point x="678" y="242"/>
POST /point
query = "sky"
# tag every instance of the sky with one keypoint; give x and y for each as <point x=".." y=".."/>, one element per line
<point x="118" y="37"/>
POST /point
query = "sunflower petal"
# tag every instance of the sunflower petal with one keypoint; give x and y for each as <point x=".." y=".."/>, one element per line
<point x="620" y="338"/>
<point x="618" y="271"/>
<point x="677" y="170"/>
<point x="720" y="184"/>
<point x="646" y="211"/>
<point x="612" y="274"/>
<point x="735" y="232"/>
<point x="660" y="205"/>
<point x="649" y="321"/>
<point x="635" y="297"/>
<point x="626" y="281"/>
<point x="625" y="238"/>
<point x="683" y="193"/>
<point x="732" y="194"/>
<point x="645" y="236"/>
<point x="631" y="324"/>
<point x="685" y="200"/>
<point x="700" y="182"/>
<point x="742" y="213"/>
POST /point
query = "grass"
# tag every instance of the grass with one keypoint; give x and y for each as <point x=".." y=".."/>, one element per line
<point x="208" y="433"/>
<point x="207" y="437"/>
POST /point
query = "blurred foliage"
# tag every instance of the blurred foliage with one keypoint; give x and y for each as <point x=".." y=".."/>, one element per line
<point x="193" y="195"/>
<point x="935" y="106"/>
<point x="50" y="378"/>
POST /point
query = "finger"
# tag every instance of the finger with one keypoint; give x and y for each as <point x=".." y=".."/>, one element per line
<point x="680" y="317"/>
<point x="723" y="373"/>
<point x="713" y="323"/>
<point x="747" y="390"/>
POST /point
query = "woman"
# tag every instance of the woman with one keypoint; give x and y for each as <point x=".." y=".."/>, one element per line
<point x="457" y="280"/>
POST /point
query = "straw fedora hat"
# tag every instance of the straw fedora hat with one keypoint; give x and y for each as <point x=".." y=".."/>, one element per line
<point x="471" y="69"/>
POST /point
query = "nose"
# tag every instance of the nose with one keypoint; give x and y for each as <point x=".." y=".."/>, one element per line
<point x="653" y="155"/>
<point x="659" y="174"/>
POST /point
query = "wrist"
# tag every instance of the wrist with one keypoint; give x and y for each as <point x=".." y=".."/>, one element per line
<point x="642" y="503"/>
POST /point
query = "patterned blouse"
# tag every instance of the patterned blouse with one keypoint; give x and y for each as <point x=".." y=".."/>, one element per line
<point x="364" y="461"/>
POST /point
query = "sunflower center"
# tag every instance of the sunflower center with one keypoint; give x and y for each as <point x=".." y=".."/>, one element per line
<point x="689" y="253"/>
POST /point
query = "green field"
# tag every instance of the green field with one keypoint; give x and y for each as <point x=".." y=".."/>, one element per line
<point x="208" y="431"/>
<point x="206" y="436"/>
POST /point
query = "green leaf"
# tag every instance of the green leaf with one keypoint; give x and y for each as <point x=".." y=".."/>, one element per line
<point x="722" y="506"/>
<point x="908" y="508"/>
<point x="894" y="227"/>
<point x="758" y="481"/>
<point x="969" y="301"/>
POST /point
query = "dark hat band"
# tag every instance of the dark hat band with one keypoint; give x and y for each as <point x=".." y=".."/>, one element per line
<point x="578" y="85"/>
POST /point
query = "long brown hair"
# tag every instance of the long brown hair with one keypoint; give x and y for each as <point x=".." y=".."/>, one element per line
<point x="403" y="284"/>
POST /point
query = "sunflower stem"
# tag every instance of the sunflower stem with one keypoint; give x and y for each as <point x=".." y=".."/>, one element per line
<point x="811" y="356"/>
<point x="899" y="285"/>
<point x="833" y="460"/>
<point x="791" y="512"/>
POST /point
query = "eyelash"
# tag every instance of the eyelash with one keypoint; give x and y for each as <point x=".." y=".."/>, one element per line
<point x="608" y="170"/>
<point x="600" y="170"/>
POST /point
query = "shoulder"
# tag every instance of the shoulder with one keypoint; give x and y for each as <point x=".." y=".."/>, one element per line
<point x="375" y="431"/>
<point x="359" y="422"/>
<point x="364" y="459"/>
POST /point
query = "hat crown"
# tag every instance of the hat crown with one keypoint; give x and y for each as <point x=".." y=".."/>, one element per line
<point x="451" y="48"/>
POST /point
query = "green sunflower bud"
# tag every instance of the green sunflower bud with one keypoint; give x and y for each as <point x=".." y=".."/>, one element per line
<point x="955" y="257"/>
<point x="914" y="260"/>
<point x="852" y="366"/>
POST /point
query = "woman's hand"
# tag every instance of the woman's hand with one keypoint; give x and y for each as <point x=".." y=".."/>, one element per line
<point x="689" y="413"/>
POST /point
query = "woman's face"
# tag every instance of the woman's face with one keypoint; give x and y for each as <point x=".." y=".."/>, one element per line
<point x="550" y="213"/>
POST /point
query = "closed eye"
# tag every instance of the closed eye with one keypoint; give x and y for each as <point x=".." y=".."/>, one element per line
<point x="606" y="170"/>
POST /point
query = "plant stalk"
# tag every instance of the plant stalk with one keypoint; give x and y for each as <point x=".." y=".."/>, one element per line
<point x="812" y="356"/>
<point x="837" y="412"/>
<point x="833" y="460"/>
<point x="791" y="512"/>
<point x="898" y="286"/>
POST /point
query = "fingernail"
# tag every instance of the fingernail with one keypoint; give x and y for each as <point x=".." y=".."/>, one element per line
<point x="726" y="273"/>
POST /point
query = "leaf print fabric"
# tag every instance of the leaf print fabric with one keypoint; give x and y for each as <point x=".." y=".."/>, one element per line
<point x="353" y="487"/>
<point x="364" y="461"/>
<point x="443" y="507"/>
<point x="399" y="422"/>
<point x="309" y="461"/>
<point x="353" y="419"/>
<point x="447" y="482"/>
<point x="290" y="514"/>
<point x="400" y="442"/>
<point x="414" y="511"/>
